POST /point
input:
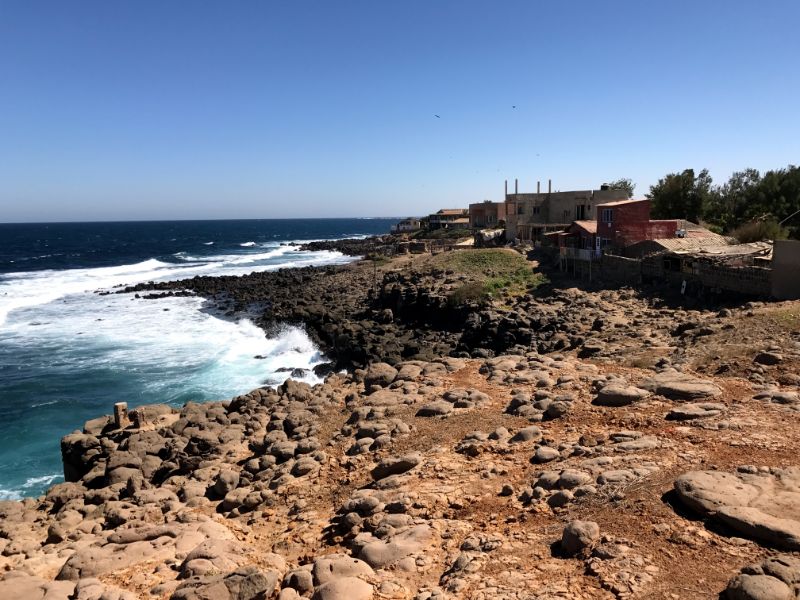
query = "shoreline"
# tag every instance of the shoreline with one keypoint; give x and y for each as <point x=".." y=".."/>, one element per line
<point x="446" y="449"/>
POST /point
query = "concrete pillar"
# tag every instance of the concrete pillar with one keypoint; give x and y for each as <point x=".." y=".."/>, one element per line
<point x="538" y="187"/>
<point x="549" y="186"/>
<point x="516" y="186"/>
<point x="121" y="415"/>
<point x="506" y="193"/>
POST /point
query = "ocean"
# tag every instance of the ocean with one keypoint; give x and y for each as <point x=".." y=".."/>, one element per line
<point x="68" y="353"/>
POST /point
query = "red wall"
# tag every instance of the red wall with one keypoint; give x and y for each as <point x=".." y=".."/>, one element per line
<point x="630" y="223"/>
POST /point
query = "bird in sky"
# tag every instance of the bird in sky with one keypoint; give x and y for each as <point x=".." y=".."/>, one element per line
<point x="514" y="106"/>
<point x="437" y="116"/>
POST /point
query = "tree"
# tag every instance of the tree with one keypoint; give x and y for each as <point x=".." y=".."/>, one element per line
<point x="682" y="196"/>
<point x="623" y="184"/>
<point x="730" y="201"/>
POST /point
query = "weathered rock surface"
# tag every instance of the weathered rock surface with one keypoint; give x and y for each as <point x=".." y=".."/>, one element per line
<point x="762" y="506"/>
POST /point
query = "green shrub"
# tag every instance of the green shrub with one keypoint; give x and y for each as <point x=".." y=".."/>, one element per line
<point x="757" y="231"/>
<point x="468" y="293"/>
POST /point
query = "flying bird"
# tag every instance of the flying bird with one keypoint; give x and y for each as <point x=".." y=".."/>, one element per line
<point x="514" y="106"/>
<point x="437" y="116"/>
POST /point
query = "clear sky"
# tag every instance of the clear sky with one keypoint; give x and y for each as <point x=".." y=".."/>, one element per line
<point x="199" y="109"/>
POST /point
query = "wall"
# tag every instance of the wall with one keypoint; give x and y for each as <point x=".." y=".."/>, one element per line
<point x="557" y="208"/>
<point x="626" y="271"/>
<point x="483" y="214"/>
<point x="786" y="270"/>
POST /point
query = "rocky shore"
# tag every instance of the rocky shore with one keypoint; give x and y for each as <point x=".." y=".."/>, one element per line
<point x="545" y="440"/>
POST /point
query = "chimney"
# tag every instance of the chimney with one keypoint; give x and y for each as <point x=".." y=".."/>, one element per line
<point x="549" y="186"/>
<point x="516" y="186"/>
<point x="506" y="187"/>
<point x="538" y="187"/>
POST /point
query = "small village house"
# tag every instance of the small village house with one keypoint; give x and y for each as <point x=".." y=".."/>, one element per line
<point x="408" y="225"/>
<point x="449" y="218"/>
<point x="487" y="214"/>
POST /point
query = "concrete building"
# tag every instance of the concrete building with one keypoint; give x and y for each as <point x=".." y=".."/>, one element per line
<point x="449" y="218"/>
<point x="487" y="214"/>
<point x="407" y="225"/>
<point x="530" y="215"/>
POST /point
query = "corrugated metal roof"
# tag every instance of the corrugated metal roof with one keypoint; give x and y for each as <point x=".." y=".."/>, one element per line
<point x="692" y="243"/>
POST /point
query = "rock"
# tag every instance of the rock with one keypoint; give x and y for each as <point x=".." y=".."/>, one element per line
<point x="579" y="537"/>
<point x="379" y="374"/>
<point x="436" y="408"/>
<point x="619" y="395"/>
<point x="560" y="498"/>
<point x="396" y="466"/>
<point x="757" y="587"/>
<point x="675" y="385"/>
<point x="768" y="358"/>
<point x="545" y="454"/>
<point x="18" y="585"/>
<point x="346" y="588"/>
<point x="701" y="410"/>
<point x="772" y="578"/>
<point x="226" y="481"/>
<point x="527" y="434"/>
<point x="762" y="506"/>
<point x="337" y="566"/>
<point x="381" y="554"/>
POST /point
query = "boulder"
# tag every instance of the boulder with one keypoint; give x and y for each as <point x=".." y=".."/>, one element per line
<point x="762" y="506"/>
<point x="379" y="374"/>
<point x="396" y="466"/>
<point x="619" y="395"/>
<point x="675" y="385"/>
<point x="579" y="537"/>
<point x="346" y="588"/>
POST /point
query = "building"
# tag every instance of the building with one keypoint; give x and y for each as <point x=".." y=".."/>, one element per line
<point x="626" y="222"/>
<point x="531" y="215"/>
<point x="449" y="218"/>
<point x="407" y="225"/>
<point x="487" y="214"/>
<point x="625" y="227"/>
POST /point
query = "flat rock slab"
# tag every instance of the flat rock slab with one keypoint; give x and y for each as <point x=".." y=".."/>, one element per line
<point x="437" y="408"/>
<point x="680" y="386"/>
<point x="619" y="395"/>
<point x="700" y="410"/>
<point x="761" y="506"/>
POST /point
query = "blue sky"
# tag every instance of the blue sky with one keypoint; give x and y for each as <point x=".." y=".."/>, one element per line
<point x="179" y="109"/>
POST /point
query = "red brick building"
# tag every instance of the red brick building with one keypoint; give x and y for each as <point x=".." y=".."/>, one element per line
<point x="626" y="222"/>
<point x="618" y="225"/>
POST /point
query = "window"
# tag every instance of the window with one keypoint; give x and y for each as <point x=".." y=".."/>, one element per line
<point x="607" y="215"/>
<point x="520" y="209"/>
<point x="580" y="212"/>
<point x="536" y="210"/>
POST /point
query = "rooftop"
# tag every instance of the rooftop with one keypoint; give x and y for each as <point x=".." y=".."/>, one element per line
<point x="451" y="211"/>
<point x="589" y="226"/>
<point x="621" y="202"/>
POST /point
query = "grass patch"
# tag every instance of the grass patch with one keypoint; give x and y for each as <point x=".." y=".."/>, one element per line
<point x="788" y="319"/>
<point x="378" y="260"/>
<point x="494" y="272"/>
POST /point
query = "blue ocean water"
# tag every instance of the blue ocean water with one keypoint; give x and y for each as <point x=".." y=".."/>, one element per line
<point x="68" y="353"/>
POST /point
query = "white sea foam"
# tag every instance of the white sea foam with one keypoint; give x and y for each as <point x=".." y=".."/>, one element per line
<point x="208" y="243"/>
<point x="247" y="244"/>
<point x="32" y="482"/>
<point x="35" y="288"/>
